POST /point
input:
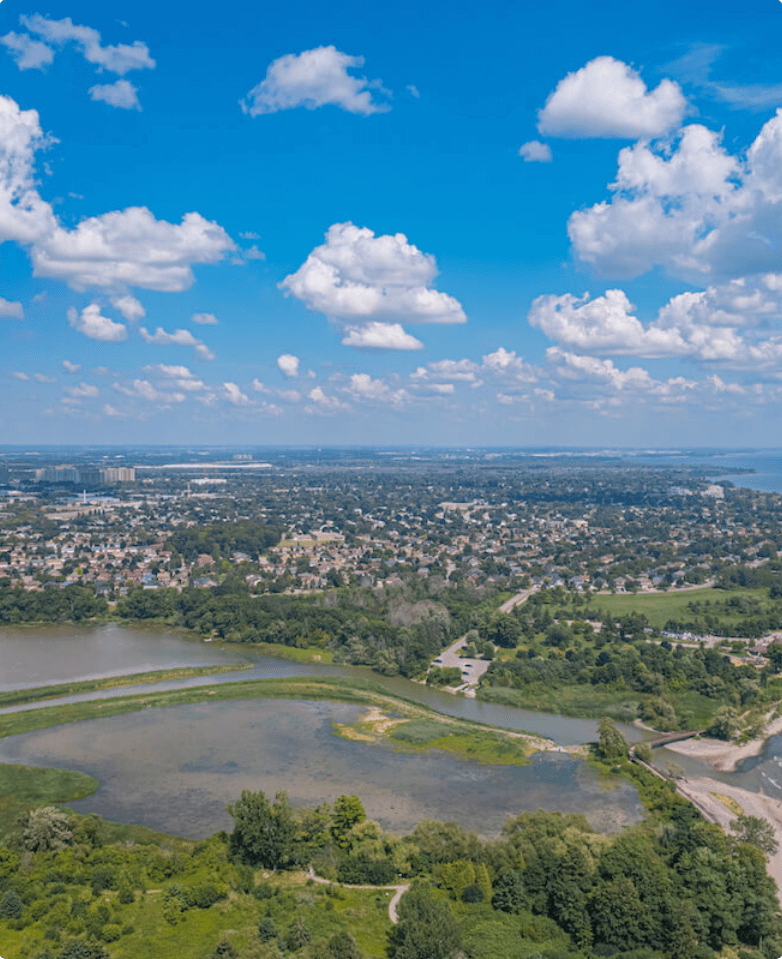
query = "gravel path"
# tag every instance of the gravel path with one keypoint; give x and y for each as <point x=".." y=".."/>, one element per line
<point x="399" y="891"/>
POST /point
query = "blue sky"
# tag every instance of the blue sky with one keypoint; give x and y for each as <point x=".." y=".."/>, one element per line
<point x="472" y="223"/>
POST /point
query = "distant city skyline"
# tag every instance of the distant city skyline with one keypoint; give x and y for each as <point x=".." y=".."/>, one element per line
<point x="466" y="224"/>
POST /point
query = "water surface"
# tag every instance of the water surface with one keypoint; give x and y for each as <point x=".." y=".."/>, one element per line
<point x="176" y="769"/>
<point x="42" y="656"/>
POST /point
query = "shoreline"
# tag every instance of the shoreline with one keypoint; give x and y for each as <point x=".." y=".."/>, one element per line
<point x="724" y="756"/>
<point x="705" y="793"/>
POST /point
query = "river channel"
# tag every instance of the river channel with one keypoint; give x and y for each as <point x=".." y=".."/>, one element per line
<point x="175" y="769"/>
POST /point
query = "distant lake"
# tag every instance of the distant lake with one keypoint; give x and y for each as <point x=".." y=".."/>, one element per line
<point x="767" y="465"/>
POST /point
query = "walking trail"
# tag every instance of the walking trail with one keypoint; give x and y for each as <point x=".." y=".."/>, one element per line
<point x="392" y="906"/>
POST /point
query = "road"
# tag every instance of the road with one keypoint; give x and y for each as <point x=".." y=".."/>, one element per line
<point x="518" y="599"/>
<point x="473" y="669"/>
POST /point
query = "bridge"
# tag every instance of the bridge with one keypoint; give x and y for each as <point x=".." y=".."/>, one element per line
<point x="673" y="738"/>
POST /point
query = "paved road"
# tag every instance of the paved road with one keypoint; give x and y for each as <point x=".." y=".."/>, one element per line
<point x="518" y="599"/>
<point x="473" y="669"/>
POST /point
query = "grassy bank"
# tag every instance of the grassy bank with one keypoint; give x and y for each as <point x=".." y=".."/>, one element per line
<point x="350" y="691"/>
<point x="311" y="654"/>
<point x="590" y="702"/>
<point x="22" y="787"/>
<point x="419" y="731"/>
<point x="17" y="697"/>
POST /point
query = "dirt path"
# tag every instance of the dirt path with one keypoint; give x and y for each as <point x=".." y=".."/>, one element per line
<point x="392" y="911"/>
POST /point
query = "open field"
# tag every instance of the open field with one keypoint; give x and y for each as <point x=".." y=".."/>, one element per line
<point x="311" y="654"/>
<point x="363" y="911"/>
<point x="661" y="607"/>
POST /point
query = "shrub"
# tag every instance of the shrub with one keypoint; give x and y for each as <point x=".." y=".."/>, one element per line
<point x="10" y="905"/>
<point x="472" y="894"/>
<point x="266" y="929"/>
<point x="224" y="950"/>
<point x="126" y="895"/>
<point x="111" y="932"/>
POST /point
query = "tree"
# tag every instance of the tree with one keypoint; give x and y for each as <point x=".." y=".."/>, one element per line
<point x="426" y="928"/>
<point x="47" y="828"/>
<point x="504" y="630"/>
<point x="756" y="831"/>
<point x="457" y="876"/>
<point x="348" y="812"/>
<point x="611" y="745"/>
<point x="343" y="946"/>
<point x="10" y="905"/>
<point x="508" y="892"/>
<point x="263" y="833"/>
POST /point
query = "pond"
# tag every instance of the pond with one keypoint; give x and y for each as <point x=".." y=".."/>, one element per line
<point x="176" y="769"/>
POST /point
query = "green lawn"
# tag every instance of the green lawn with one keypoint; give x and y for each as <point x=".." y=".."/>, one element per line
<point x="660" y="607"/>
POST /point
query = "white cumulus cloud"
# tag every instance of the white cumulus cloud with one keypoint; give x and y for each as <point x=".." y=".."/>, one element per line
<point x="179" y="377"/>
<point x="726" y="324"/>
<point x="91" y="323"/>
<point x="368" y="284"/>
<point x="178" y="338"/>
<point x="116" y="59"/>
<point x="234" y="395"/>
<point x="362" y="387"/>
<point x="535" y="152"/>
<point x="114" y="250"/>
<point x="205" y="319"/>
<point x="607" y="98"/>
<point x="130" y="248"/>
<point x="288" y="365"/>
<point x="11" y="310"/>
<point x="380" y="336"/>
<point x="85" y="390"/>
<point x="129" y="307"/>
<point x="465" y="370"/>
<point x="505" y="363"/>
<point x="314" y="79"/>
<point x="121" y="94"/>
<point x="322" y="402"/>
<point x="694" y="209"/>
<point x="28" y="54"/>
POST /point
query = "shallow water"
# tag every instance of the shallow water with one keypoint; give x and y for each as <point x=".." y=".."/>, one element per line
<point x="38" y="657"/>
<point x="176" y="769"/>
<point x="44" y="655"/>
